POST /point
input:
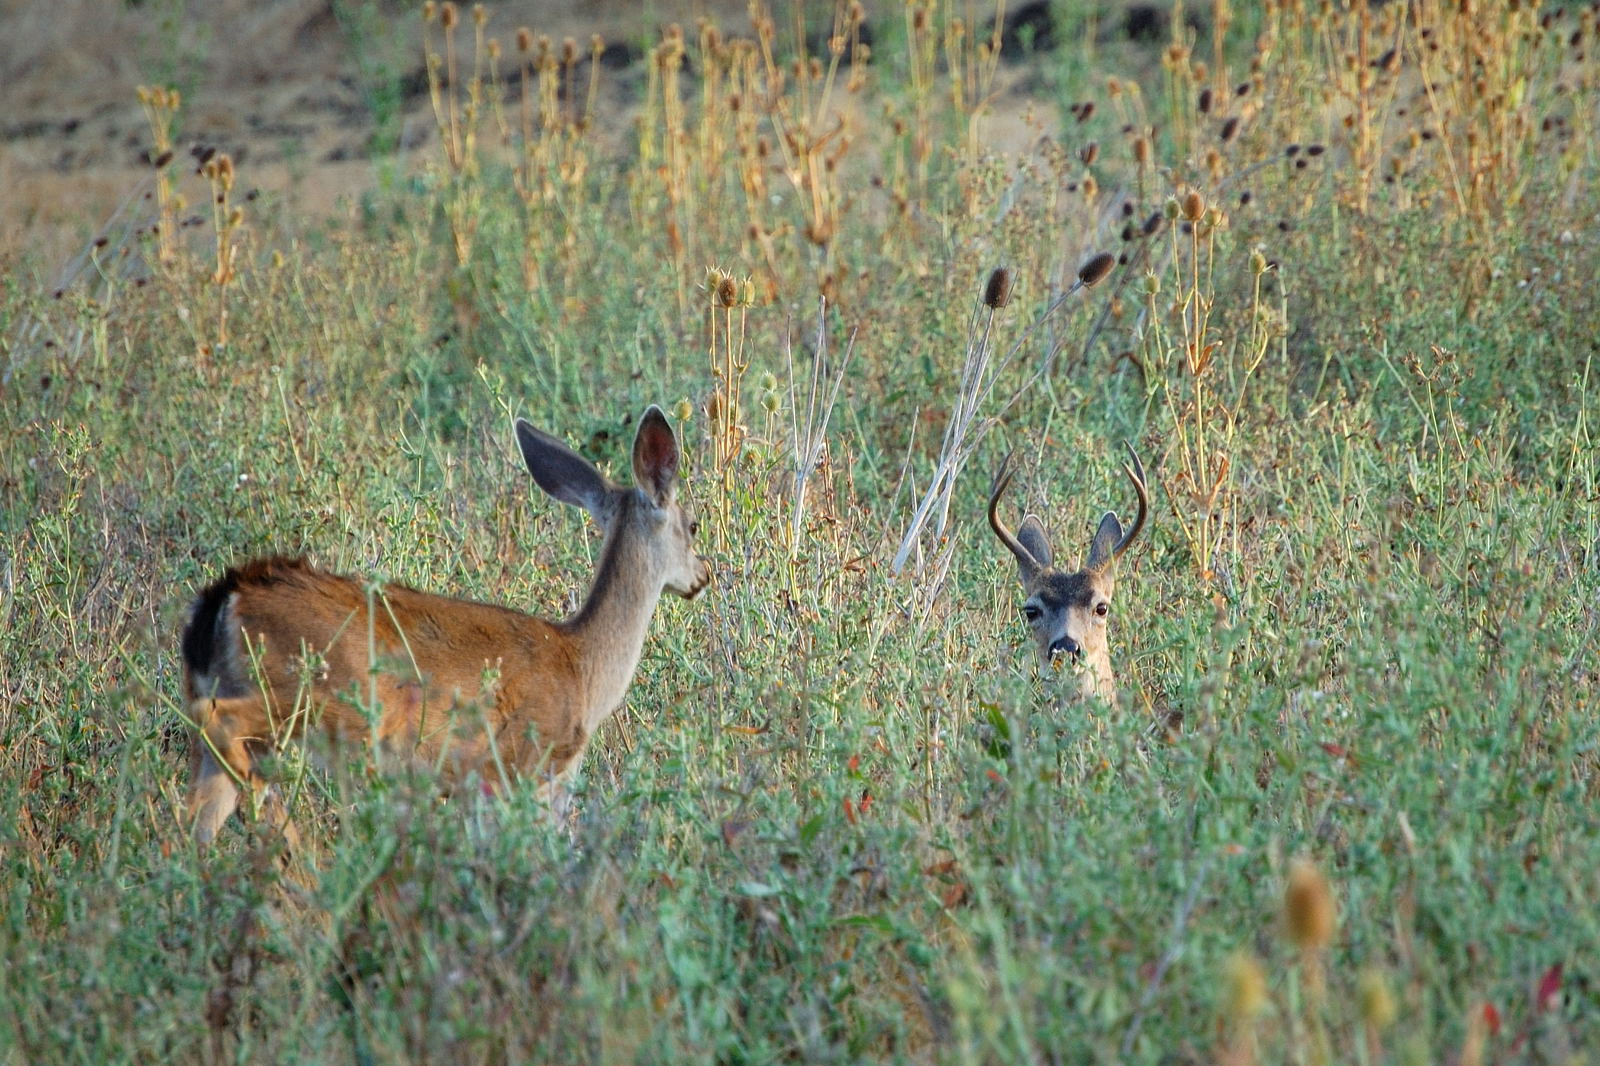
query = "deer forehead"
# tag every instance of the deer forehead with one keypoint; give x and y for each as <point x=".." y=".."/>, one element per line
<point x="1061" y="591"/>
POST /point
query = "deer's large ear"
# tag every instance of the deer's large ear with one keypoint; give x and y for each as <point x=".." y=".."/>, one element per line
<point x="655" y="457"/>
<point x="563" y="473"/>
<point x="1031" y="534"/>
<point x="1103" y="549"/>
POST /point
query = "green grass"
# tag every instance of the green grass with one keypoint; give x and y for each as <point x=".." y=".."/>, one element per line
<point x="838" y="820"/>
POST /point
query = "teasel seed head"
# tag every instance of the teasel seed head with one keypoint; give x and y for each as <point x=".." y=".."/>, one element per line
<point x="1246" y="987"/>
<point x="1378" y="1008"/>
<point x="997" y="293"/>
<point x="448" y="15"/>
<point x="1193" y="206"/>
<point x="1308" y="907"/>
<point x="1095" y="270"/>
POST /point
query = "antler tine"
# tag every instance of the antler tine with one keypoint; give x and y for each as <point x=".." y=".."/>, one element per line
<point x="1136" y="475"/>
<point x="1002" y="479"/>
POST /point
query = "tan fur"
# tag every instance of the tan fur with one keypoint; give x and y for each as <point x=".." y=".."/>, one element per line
<point x="1068" y="611"/>
<point x="462" y="689"/>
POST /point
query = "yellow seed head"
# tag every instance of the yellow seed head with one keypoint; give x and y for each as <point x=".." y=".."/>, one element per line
<point x="1246" y="988"/>
<point x="682" y="410"/>
<point x="1378" y="1007"/>
<point x="1308" y="907"/>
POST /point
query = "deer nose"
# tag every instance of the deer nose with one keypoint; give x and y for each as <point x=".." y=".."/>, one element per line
<point x="1066" y="646"/>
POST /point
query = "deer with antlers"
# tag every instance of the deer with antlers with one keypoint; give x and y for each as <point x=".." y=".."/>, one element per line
<point x="1068" y="611"/>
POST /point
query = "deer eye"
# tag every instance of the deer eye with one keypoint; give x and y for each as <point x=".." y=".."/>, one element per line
<point x="1102" y="609"/>
<point x="1031" y="613"/>
<point x="694" y="527"/>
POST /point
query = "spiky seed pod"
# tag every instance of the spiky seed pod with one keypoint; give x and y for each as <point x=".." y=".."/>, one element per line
<point x="1095" y="270"/>
<point x="1193" y="206"/>
<point x="1308" y="907"/>
<point x="1246" y="988"/>
<point x="524" y="40"/>
<point x="1204" y="103"/>
<point x="727" y="293"/>
<point x="480" y="14"/>
<point x="1141" y="151"/>
<point x="1171" y="209"/>
<point x="1258" y="262"/>
<point x="1085" y="111"/>
<point x="682" y="411"/>
<point x="1151" y="224"/>
<point x="1378" y="1008"/>
<point x="1229" y="128"/>
<point x="428" y="11"/>
<point x="997" y="293"/>
<point x="448" y="15"/>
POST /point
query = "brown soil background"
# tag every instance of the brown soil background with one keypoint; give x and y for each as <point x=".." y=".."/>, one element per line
<point x="284" y="87"/>
<point x="279" y="84"/>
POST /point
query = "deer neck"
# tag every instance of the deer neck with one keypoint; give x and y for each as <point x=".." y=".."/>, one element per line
<point x="612" y="624"/>
<point x="1097" y="677"/>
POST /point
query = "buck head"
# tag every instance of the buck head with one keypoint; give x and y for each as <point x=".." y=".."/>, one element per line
<point x="1069" y="611"/>
<point x="653" y="530"/>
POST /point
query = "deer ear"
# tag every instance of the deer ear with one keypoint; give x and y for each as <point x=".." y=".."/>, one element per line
<point x="563" y="473"/>
<point x="1103" y="549"/>
<point x="1031" y="535"/>
<point x="655" y="457"/>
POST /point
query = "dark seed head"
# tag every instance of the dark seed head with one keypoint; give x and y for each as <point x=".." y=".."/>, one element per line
<point x="997" y="293"/>
<point x="1096" y="269"/>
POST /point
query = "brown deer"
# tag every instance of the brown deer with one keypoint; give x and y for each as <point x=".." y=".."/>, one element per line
<point x="1068" y="611"/>
<point x="278" y="649"/>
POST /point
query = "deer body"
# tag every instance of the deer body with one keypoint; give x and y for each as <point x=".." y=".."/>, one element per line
<point x="278" y="649"/>
<point x="1068" y="611"/>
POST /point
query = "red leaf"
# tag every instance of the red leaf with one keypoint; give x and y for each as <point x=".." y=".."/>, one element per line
<point x="849" y="811"/>
<point x="1491" y="1018"/>
<point x="855" y="761"/>
<point x="866" y="801"/>
<point x="1549" y="995"/>
<point x="1338" y="751"/>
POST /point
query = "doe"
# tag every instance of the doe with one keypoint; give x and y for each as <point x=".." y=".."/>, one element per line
<point x="1068" y="611"/>
<point x="277" y="649"/>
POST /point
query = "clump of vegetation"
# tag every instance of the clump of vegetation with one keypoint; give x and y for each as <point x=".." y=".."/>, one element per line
<point x="1345" y="811"/>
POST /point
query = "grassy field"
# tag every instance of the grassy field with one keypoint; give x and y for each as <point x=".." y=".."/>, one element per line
<point x="1348" y="809"/>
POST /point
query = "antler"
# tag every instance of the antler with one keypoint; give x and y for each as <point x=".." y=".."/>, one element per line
<point x="1136" y="475"/>
<point x="1002" y="479"/>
